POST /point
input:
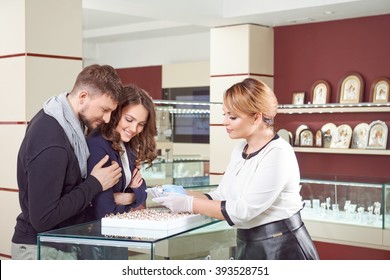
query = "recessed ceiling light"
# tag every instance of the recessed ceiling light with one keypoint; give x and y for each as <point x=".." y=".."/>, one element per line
<point x="300" y="20"/>
<point x="328" y="13"/>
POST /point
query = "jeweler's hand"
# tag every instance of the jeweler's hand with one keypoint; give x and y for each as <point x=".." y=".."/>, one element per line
<point x="155" y="192"/>
<point x="174" y="189"/>
<point x="177" y="203"/>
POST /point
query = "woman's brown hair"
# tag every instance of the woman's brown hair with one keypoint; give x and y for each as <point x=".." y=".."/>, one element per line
<point x="144" y="143"/>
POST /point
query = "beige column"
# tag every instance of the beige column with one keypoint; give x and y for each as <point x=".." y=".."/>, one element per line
<point x="237" y="52"/>
<point x="40" y="56"/>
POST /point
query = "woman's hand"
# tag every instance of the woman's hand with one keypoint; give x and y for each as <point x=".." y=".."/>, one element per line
<point x="137" y="180"/>
<point x="124" y="198"/>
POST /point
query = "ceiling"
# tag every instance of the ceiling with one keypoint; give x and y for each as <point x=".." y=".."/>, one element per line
<point x="120" y="20"/>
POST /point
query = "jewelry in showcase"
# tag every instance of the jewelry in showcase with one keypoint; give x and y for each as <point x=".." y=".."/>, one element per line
<point x="377" y="135"/>
<point x="347" y="205"/>
<point x="149" y="215"/>
<point x="360" y="136"/>
<point x="352" y="214"/>
<point x="163" y="120"/>
<point x="316" y="204"/>
<point x="327" y="202"/>
<point x="149" y="222"/>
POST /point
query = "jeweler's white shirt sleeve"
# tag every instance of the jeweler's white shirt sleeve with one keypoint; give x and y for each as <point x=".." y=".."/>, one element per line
<point x="262" y="189"/>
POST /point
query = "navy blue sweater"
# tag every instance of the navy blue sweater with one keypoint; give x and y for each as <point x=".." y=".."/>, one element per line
<point x="104" y="203"/>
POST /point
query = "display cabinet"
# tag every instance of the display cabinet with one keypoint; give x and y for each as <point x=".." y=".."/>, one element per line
<point x="350" y="203"/>
<point x="351" y="213"/>
<point x="387" y="205"/>
<point x="209" y="239"/>
<point x="90" y="243"/>
<point x="180" y="171"/>
<point x="386" y="232"/>
<point x="183" y="121"/>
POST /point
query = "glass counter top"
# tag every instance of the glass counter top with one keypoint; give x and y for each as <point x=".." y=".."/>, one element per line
<point x="93" y="231"/>
<point x="108" y="241"/>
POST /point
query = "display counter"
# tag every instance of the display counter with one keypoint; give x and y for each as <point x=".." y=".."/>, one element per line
<point x="215" y="238"/>
<point x="349" y="213"/>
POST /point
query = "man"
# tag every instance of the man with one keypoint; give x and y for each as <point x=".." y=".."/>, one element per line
<point x="54" y="188"/>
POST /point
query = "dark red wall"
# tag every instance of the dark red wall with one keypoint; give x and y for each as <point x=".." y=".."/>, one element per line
<point x="327" y="51"/>
<point x="309" y="52"/>
<point x="149" y="78"/>
<point x="329" y="251"/>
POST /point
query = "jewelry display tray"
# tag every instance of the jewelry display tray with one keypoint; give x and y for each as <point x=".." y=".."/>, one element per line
<point x="158" y="224"/>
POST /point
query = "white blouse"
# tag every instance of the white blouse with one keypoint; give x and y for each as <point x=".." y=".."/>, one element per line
<point x="126" y="166"/>
<point x="263" y="188"/>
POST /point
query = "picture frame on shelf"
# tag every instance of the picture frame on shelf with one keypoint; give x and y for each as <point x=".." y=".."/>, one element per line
<point x="328" y="131"/>
<point x="286" y="135"/>
<point x="298" y="98"/>
<point x="380" y="89"/>
<point x="360" y="136"/>
<point x="377" y="135"/>
<point x="351" y="88"/>
<point x="306" y="138"/>
<point x="298" y="132"/>
<point x="320" y="92"/>
<point x="318" y="138"/>
<point x="341" y="138"/>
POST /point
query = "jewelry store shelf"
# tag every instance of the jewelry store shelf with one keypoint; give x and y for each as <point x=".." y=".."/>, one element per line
<point x="342" y="151"/>
<point x="334" y="108"/>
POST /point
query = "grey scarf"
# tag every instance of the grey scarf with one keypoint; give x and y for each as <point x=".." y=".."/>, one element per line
<point x="58" y="107"/>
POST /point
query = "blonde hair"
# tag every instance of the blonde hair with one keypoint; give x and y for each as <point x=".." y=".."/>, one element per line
<point x="251" y="97"/>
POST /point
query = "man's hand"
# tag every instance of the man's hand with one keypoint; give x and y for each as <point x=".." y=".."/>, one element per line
<point x="107" y="176"/>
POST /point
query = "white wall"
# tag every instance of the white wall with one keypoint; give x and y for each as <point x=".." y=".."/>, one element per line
<point x="148" y="52"/>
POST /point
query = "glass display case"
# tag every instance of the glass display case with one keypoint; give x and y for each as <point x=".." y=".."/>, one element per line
<point x="343" y="202"/>
<point x="185" y="121"/>
<point x="180" y="122"/>
<point x="387" y="205"/>
<point x="209" y="239"/>
<point x="180" y="171"/>
<point x="91" y="242"/>
<point x="386" y="232"/>
<point x="350" y="213"/>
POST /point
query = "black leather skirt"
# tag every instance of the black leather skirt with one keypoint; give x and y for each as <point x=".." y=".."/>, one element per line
<point x="286" y="239"/>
